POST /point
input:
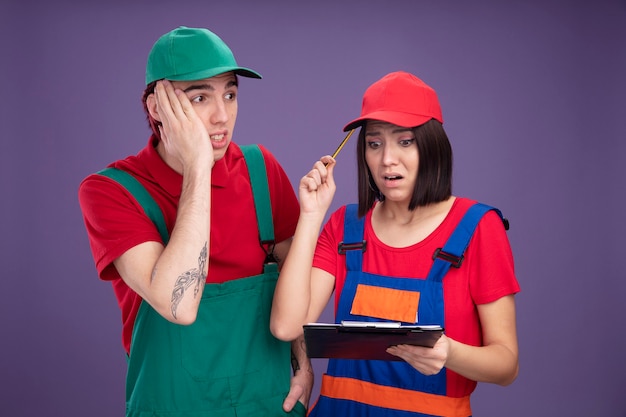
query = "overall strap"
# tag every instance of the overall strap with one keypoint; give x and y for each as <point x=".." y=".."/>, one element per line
<point x="353" y="244"/>
<point x="260" y="191"/>
<point x="143" y="197"/>
<point x="452" y="252"/>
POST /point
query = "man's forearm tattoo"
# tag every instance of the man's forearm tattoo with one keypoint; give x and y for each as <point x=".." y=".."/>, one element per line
<point x="189" y="278"/>
<point x="295" y="365"/>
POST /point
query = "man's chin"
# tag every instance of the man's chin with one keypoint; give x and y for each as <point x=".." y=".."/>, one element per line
<point x="218" y="153"/>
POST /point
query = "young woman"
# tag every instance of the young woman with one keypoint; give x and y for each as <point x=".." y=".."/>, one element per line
<point x="405" y="216"/>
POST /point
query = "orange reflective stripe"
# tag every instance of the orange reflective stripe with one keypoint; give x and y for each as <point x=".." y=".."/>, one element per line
<point x="385" y="303"/>
<point x="394" y="398"/>
<point x="311" y="407"/>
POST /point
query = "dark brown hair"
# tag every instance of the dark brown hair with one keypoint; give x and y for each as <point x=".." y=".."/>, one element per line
<point x="434" y="176"/>
<point x="154" y="124"/>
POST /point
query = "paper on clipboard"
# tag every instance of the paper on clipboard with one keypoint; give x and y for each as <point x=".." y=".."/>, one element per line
<point x="365" y="340"/>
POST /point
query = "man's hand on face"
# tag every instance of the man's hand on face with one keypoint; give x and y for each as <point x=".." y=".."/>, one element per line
<point x="183" y="134"/>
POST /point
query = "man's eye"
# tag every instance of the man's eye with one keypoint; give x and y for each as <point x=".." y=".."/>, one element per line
<point x="197" y="99"/>
<point x="230" y="96"/>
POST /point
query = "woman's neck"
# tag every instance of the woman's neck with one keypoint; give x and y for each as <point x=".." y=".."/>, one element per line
<point x="397" y="226"/>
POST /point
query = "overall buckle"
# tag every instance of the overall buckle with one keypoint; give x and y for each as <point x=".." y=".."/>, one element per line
<point x="455" y="261"/>
<point x="344" y="247"/>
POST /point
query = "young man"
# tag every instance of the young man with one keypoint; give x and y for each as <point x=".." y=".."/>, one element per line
<point x="195" y="289"/>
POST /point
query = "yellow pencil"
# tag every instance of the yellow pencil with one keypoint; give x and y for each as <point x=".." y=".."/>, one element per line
<point x="343" y="142"/>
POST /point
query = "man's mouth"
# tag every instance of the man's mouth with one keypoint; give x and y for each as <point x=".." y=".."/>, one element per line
<point x="216" y="138"/>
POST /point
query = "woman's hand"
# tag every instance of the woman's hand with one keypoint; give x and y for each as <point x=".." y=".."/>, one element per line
<point x="317" y="187"/>
<point x="496" y="361"/>
<point x="428" y="361"/>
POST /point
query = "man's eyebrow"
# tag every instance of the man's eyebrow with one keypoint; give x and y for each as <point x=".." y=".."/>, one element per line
<point x="199" y="87"/>
<point x="208" y="87"/>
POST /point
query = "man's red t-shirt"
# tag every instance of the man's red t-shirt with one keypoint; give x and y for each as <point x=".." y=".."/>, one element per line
<point x="116" y="223"/>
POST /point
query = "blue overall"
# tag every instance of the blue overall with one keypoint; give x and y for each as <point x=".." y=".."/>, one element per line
<point x="393" y="388"/>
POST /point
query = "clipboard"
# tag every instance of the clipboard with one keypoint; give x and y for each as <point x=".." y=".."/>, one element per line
<point x="365" y="340"/>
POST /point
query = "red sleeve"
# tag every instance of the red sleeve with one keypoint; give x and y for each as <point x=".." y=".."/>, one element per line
<point x="492" y="272"/>
<point x="285" y="206"/>
<point x="115" y="222"/>
<point x="326" y="252"/>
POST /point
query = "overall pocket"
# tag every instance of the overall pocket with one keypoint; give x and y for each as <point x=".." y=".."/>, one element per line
<point x="226" y="339"/>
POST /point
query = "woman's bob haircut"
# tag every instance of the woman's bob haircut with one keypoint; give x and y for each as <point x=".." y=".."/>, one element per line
<point x="434" y="176"/>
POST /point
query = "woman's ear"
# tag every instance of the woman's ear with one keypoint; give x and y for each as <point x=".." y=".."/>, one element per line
<point x="151" y="105"/>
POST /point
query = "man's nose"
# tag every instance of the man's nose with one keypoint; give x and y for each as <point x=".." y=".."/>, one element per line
<point x="220" y="115"/>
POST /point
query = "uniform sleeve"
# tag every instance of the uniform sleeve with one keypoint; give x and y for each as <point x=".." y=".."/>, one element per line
<point x="490" y="257"/>
<point x="115" y="222"/>
<point x="326" y="253"/>
<point x="285" y="206"/>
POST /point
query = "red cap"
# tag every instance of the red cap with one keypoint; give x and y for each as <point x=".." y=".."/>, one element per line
<point x="399" y="98"/>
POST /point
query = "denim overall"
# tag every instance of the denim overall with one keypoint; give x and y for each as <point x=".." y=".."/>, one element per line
<point x="227" y="363"/>
<point x="365" y="388"/>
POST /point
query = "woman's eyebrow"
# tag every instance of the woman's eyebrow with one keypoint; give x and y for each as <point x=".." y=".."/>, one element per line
<point x="398" y="130"/>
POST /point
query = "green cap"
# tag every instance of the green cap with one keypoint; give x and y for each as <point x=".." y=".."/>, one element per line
<point x="189" y="54"/>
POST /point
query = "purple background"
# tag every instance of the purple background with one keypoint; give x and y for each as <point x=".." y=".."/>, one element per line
<point x="533" y="96"/>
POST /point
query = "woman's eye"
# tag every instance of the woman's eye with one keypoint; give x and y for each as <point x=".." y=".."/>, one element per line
<point x="373" y="144"/>
<point x="407" y="142"/>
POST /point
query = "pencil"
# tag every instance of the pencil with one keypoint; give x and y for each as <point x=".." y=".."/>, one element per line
<point x="343" y="142"/>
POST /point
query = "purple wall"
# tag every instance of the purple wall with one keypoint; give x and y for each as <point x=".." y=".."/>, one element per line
<point x="533" y="95"/>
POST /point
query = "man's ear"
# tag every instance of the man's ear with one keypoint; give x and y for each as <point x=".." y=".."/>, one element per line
<point x="151" y="105"/>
